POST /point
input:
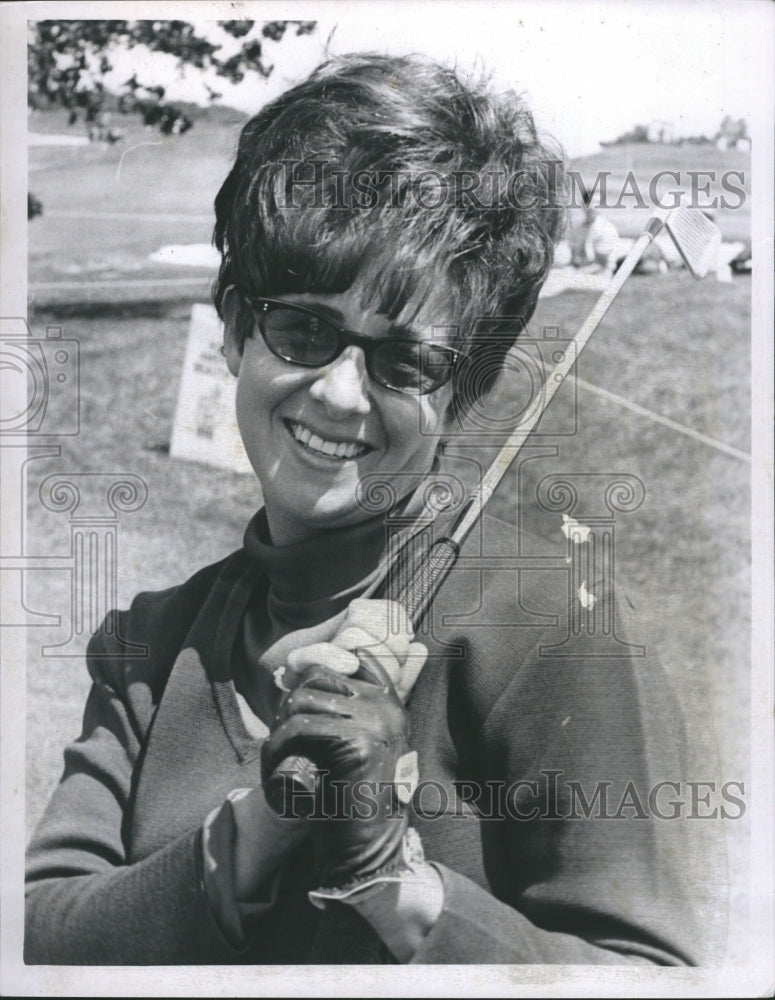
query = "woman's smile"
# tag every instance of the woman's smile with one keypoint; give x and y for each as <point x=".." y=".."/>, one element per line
<point x="328" y="447"/>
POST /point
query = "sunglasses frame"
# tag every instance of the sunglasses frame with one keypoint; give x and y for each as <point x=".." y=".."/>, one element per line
<point x="261" y="306"/>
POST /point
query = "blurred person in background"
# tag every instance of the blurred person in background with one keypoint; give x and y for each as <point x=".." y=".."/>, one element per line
<point x="594" y="239"/>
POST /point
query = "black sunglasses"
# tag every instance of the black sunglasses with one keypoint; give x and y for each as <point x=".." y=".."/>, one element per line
<point x="303" y="337"/>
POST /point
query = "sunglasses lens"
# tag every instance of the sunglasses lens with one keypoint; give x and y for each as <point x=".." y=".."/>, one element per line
<point x="303" y="338"/>
<point x="412" y="367"/>
<point x="299" y="337"/>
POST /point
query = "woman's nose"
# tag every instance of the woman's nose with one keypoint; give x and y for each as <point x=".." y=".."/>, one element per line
<point x="342" y="386"/>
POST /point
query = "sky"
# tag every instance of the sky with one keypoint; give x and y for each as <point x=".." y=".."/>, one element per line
<point x="590" y="70"/>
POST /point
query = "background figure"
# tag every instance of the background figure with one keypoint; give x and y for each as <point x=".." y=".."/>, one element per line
<point x="594" y="239"/>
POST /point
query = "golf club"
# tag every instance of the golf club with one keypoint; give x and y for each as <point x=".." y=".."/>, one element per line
<point x="697" y="240"/>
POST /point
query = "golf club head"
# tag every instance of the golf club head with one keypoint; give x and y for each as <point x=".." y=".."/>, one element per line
<point x="696" y="238"/>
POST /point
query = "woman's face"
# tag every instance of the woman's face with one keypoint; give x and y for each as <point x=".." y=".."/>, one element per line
<point x="290" y="418"/>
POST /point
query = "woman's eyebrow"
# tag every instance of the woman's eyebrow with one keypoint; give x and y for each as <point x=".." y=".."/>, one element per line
<point x="399" y="330"/>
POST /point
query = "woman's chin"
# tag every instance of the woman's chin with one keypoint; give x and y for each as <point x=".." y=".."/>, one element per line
<point x="336" y="512"/>
<point x="291" y="522"/>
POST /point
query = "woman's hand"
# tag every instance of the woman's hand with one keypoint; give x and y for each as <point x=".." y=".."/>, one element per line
<point x="356" y="730"/>
<point x="379" y="630"/>
<point x="382" y="632"/>
<point x="344" y="712"/>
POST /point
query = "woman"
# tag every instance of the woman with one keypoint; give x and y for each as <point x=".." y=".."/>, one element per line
<point x="374" y="215"/>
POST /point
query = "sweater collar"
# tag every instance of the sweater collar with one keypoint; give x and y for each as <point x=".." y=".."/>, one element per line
<point x="331" y="565"/>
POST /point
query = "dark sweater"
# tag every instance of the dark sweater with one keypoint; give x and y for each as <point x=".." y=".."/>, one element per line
<point x="115" y="866"/>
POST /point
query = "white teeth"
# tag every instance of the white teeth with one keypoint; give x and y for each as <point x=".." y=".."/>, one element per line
<point x="332" y="449"/>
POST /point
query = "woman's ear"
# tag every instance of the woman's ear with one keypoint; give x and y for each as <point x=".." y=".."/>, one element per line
<point x="232" y="342"/>
<point x="232" y="347"/>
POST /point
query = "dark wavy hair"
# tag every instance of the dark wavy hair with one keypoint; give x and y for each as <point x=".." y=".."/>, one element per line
<point x="394" y="172"/>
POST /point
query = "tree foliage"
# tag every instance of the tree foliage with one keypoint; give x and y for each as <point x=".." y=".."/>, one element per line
<point x="639" y="133"/>
<point x="732" y="130"/>
<point x="68" y="61"/>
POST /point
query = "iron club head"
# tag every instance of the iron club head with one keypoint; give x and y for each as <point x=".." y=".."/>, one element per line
<point x="696" y="238"/>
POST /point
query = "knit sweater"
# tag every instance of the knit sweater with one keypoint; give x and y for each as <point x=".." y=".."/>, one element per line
<point x="517" y="729"/>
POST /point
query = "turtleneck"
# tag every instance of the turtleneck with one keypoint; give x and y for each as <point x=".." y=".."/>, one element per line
<point x="304" y="583"/>
<point x="314" y="579"/>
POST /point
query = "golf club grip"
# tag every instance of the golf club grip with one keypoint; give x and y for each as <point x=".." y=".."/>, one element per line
<point x="291" y="786"/>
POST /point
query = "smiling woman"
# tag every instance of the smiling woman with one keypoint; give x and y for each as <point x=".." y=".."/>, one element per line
<point x="312" y="432"/>
<point x="384" y="234"/>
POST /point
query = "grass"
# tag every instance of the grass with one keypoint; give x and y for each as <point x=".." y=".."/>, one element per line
<point x="131" y="360"/>
<point x="146" y="174"/>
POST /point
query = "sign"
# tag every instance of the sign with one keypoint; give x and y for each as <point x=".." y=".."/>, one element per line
<point x="205" y="428"/>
